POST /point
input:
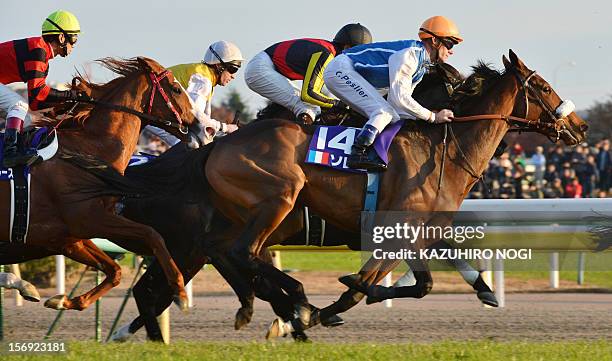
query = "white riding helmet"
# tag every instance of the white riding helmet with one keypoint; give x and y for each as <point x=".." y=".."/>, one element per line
<point x="223" y="52"/>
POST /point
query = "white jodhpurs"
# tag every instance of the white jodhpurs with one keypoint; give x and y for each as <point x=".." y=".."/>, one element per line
<point x="14" y="105"/>
<point x="346" y="83"/>
<point x="262" y="78"/>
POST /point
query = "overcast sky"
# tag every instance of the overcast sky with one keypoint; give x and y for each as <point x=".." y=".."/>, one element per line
<point x="567" y="42"/>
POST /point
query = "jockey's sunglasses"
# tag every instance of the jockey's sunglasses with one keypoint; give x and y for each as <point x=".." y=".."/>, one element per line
<point x="447" y="42"/>
<point x="231" y="68"/>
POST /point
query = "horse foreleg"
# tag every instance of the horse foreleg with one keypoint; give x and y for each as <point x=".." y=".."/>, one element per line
<point x="86" y="252"/>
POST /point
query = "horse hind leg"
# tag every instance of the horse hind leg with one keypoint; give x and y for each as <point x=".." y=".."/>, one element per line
<point x="25" y="288"/>
<point x="86" y="252"/>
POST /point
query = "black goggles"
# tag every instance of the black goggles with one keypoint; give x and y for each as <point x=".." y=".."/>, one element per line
<point x="448" y="43"/>
<point x="72" y="38"/>
<point x="230" y="67"/>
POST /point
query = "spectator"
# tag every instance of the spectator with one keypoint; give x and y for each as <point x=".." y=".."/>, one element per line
<point x="539" y="162"/>
<point x="554" y="189"/>
<point x="604" y="165"/>
<point x="573" y="189"/>
<point x="587" y="175"/>
<point x="551" y="173"/>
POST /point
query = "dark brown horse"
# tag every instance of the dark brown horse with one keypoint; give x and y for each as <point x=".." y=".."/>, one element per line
<point x="64" y="216"/>
<point x="258" y="174"/>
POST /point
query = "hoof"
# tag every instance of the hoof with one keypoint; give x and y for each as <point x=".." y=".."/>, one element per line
<point x="379" y="293"/>
<point x="121" y="335"/>
<point x="243" y="318"/>
<point x="29" y="292"/>
<point x="276" y="329"/>
<point x="488" y="298"/>
<point x="299" y="336"/>
<point x="56" y="302"/>
<point x="333" y="321"/>
<point x="353" y="281"/>
<point x="303" y="313"/>
<point x="181" y="303"/>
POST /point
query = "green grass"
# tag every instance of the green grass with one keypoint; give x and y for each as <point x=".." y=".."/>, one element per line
<point x="464" y="351"/>
<point x="598" y="267"/>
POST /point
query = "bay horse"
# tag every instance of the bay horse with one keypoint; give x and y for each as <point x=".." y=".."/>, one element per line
<point x="258" y="174"/>
<point x="183" y="220"/>
<point x="64" y="215"/>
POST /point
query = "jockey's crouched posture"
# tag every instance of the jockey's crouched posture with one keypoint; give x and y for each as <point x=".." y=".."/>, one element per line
<point x="27" y="60"/>
<point x="357" y="76"/>
<point x="271" y="71"/>
<point x="221" y="62"/>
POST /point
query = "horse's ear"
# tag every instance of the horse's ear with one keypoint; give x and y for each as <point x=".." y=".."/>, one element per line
<point x="149" y="64"/>
<point x="506" y="62"/>
<point x="515" y="60"/>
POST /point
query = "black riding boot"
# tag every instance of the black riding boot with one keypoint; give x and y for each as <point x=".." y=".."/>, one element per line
<point x="12" y="157"/>
<point x="360" y="157"/>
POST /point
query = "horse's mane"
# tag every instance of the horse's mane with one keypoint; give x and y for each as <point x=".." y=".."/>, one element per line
<point x="476" y="84"/>
<point x="271" y="110"/>
<point x="77" y="116"/>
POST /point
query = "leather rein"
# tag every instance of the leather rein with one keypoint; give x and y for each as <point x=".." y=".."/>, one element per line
<point x="516" y="124"/>
<point x="155" y="120"/>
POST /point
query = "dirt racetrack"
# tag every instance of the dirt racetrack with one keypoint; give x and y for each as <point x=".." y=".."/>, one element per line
<point x="544" y="316"/>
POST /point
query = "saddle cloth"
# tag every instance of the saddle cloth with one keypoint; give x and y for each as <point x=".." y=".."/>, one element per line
<point x="331" y="145"/>
<point x="46" y="145"/>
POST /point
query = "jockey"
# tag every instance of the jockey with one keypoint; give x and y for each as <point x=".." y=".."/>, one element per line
<point x="271" y="71"/>
<point x="27" y="60"/>
<point x="221" y="62"/>
<point x="396" y="67"/>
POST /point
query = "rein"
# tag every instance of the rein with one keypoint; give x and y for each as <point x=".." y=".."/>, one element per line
<point x="155" y="79"/>
<point x="516" y="124"/>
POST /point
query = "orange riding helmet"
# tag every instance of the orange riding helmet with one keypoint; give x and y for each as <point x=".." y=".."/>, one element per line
<point x="441" y="27"/>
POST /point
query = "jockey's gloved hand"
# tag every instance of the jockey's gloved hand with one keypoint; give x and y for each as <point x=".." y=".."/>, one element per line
<point x="230" y="128"/>
<point x="79" y="96"/>
<point x="339" y="107"/>
<point x="443" y="116"/>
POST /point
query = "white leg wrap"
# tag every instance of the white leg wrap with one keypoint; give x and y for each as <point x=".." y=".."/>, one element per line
<point x="122" y="334"/>
<point x="9" y="280"/>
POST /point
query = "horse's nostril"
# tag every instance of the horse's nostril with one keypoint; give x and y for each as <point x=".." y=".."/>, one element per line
<point x="584" y="127"/>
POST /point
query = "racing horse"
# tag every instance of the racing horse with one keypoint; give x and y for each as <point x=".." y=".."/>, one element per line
<point x="258" y="174"/>
<point x="64" y="215"/>
<point x="185" y="216"/>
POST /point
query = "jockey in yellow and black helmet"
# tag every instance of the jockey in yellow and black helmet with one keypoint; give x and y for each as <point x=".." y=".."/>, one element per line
<point x="27" y="61"/>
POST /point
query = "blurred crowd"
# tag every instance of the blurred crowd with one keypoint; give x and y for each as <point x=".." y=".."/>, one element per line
<point x="584" y="171"/>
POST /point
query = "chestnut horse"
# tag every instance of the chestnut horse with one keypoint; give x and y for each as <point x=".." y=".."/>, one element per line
<point x="258" y="173"/>
<point x="64" y="216"/>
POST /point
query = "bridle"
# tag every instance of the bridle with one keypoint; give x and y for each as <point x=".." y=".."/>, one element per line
<point x="153" y="119"/>
<point x="554" y="126"/>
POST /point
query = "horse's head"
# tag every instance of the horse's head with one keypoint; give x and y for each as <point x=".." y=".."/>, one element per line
<point x="166" y="101"/>
<point x="437" y="86"/>
<point x="552" y="116"/>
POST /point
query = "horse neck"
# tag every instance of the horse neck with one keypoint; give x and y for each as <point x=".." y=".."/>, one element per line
<point x="478" y="140"/>
<point x="109" y="135"/>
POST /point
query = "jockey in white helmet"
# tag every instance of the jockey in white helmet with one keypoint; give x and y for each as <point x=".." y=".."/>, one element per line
<point x="221" y="62"/>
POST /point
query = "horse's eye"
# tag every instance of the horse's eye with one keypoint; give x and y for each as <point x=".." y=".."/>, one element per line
<point x="176" y="90"/>
<point x="546" y="89"/>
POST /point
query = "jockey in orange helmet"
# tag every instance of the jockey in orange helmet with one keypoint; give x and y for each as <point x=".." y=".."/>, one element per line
<point x="395" y="67"/>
